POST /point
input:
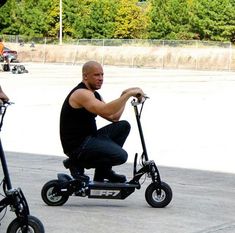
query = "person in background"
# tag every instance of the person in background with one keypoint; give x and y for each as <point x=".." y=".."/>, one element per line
<point x="5" y="58"/>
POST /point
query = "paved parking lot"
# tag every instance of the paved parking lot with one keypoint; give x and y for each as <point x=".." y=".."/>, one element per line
<point x="189" y="129"/>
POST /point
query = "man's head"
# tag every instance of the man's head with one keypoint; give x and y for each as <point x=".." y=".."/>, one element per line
<point x="92" y="75"/>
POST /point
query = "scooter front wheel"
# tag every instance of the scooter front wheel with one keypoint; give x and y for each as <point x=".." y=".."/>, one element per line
<point x="49" y="194"/>
<point x="34" y="226"/>
<point x="158" y="197"/>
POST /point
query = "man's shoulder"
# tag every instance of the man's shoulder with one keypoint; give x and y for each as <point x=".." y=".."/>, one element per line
<point x="82" y="94"/>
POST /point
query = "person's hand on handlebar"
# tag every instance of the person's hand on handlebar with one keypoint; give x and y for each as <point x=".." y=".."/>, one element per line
<point x="135" y="92"/>
<point x="3" y="96"/>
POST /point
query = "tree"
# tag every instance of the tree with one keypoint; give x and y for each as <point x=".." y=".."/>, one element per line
<point x="95" y="18"/>
<point x="215" y="20"/>
<point x="2" y="2"/>
<point x="131" y="20"/>
<point x="30" y="18"/>
<point x="170" y="19"/>
<point x="125" y="19"/>
<point x="4" y="16"/>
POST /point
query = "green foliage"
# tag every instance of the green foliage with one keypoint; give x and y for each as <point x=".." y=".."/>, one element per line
<point x="92" y="18"/>
<point x="5" y="18"/>
<point x="29" y="17"/>
<point x="171" y="20"/>
<point x="193" y="19"/>
<point x="131" y="20"/>
<point x="101" y="23"/>
<point x="124" y="19"/>
<point x="215" y="20"/>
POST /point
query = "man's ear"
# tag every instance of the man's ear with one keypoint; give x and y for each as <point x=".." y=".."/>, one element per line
<point x="84" y="76"/>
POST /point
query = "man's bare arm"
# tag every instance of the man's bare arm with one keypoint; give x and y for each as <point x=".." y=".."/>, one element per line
<point x="111" y="111"/>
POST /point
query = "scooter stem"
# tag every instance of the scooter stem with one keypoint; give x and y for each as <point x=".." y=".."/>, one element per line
<point x="141" y="132"/>
<point x="4" y="167"/>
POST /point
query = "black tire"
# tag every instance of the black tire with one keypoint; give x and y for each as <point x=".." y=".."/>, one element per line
<point x="34" y="226"/>
<point x="6" y="67"/>
<point x="49" y="198"/>
<point x="158" y="201"/>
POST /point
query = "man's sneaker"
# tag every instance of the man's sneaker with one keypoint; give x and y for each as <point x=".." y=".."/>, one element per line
<point x="78" y="174"/>
<point x="116" y="178"/>
<point x="76" y="171"/>
<point x="111" y="176"/>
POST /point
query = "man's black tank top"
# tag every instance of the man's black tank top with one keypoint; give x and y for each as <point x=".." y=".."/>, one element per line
<point x="76" y="123"/>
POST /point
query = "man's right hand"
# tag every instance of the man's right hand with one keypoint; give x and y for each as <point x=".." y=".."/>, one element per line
<point x="135" y="92"/>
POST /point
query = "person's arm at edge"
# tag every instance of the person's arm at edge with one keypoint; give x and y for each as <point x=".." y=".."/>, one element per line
<point x="3" y="96"/>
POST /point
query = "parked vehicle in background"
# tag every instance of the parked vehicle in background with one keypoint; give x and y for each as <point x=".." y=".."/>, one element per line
<point x="11" y="54"/>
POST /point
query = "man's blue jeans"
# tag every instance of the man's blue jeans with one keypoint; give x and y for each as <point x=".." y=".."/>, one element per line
<point x="105" y="149"/>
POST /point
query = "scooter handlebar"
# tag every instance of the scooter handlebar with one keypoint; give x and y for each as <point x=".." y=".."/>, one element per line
<point x="136" y="100"/>
<point x="4" y="104"/>
<point x="3" y="108"/>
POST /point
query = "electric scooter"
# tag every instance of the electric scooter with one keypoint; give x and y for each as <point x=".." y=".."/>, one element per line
<point x="158" y="194"/>
<point x="24" y="222"/>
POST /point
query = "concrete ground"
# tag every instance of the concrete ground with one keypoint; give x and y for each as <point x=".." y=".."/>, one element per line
<point x="189" y="129"/>
<point x="203" y="202"/>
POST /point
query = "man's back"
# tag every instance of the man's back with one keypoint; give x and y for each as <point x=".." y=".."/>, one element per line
<point x="76" y="124"/>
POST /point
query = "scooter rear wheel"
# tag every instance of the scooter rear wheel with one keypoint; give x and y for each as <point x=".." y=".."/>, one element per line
<point x="34" y="226"/>
<point x="49" y="195"/>
<point x="158" y="200"/>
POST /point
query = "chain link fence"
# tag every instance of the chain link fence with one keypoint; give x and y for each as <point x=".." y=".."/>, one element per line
<point x="199" y="55"/>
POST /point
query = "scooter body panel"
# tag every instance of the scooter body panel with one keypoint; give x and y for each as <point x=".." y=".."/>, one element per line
<point x="106" y="190"/>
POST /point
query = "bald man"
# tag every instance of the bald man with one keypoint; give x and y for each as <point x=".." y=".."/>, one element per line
<point x="85" y="145"/>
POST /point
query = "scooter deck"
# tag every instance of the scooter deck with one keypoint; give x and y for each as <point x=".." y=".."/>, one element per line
<point x="103" y="190"/>
<point x="111" y="185"/>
